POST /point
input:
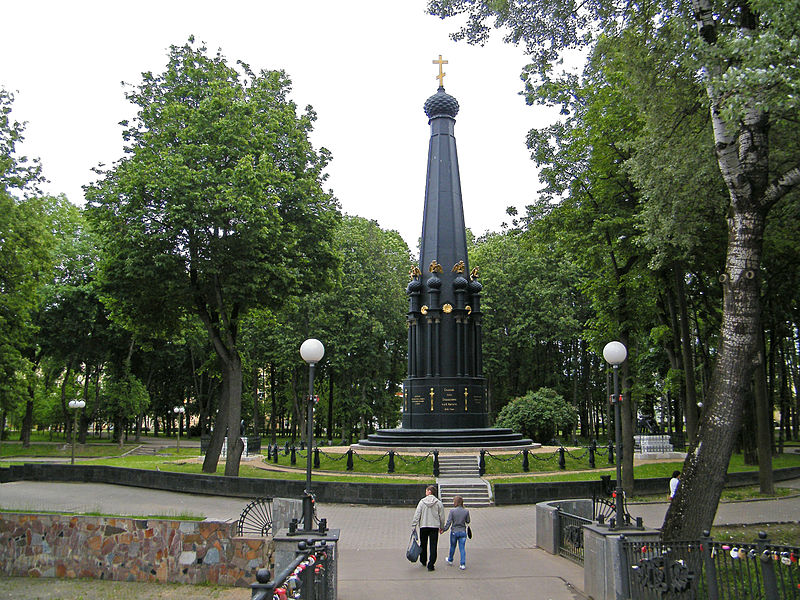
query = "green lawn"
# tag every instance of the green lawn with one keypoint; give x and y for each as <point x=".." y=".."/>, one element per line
<point x="408" y="467"/>
<point x="645" y="471"/>
<point x="63" y="449"/>
<point x="779" y="534"/>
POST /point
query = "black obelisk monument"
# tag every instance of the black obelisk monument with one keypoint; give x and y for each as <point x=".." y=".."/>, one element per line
<point x="445" y="388"/>
<point x="444" y="395"/>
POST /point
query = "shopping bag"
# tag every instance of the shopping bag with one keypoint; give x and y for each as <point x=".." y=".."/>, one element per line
<point x="469" y="532"/>
<point x="413" y="551"/>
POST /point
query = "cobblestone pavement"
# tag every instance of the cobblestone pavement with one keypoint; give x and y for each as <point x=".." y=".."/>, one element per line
<point x="501" y="556"/>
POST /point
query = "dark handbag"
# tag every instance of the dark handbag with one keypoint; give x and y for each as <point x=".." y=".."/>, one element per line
<point x="469" y="532"/>
<point x="413" y="551"/>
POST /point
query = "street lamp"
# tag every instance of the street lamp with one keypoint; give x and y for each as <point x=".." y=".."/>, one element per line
<point x="615" y="354"/>
<point x="76" y="405"/>
<point x="312" y="352"/>
<point x="179" y="410"/>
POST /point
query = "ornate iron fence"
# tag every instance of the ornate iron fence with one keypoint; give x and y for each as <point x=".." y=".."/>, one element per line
<point x="305" y="578"/>
<point x="570" y="536"/>
<point x="705" y="569"/>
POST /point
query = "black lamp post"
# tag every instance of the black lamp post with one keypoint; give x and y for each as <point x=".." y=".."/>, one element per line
<point x="615" y="354"/>
<point x="76" y="405"/>
<point x="179" y="411"/>
<point x="312" y="352"/>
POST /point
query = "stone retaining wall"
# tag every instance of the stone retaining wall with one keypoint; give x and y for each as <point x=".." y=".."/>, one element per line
<point x="124" y="549"/>
<point x="531" y="492"/>
<point x="219" y="485"/>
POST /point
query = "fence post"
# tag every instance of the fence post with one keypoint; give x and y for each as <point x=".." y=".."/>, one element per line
<point x="525" y="464"/>
<point x="562" y="461"/>
<point x="316" y="457"/>
<point x="349" y="459"/>
<point x="390" y="469"/>
<point x="624" y="590"/>
<point x="435" y="463"/>
<point x="482" y="463"/>
<point x="275" y="453"/>
<point x="302" y="445"/>
<point x="263" y="588"/>
<point x="307" y="574"/>
<point x="610" y="453"/>
<point x="320" y="570"/>
<point x="269" y="453"/>
<point x="767" y="568"/>
<point x="710" y="567"/>
<point x="557" y="531"/>
<point x="592" y="446"/>
<point x="293" y="457"/>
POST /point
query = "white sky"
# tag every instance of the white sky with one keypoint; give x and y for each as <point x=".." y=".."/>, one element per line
<point x="364" y="65"/>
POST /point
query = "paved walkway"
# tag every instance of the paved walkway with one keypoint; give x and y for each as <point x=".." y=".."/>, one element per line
<point x="501" y="556"/>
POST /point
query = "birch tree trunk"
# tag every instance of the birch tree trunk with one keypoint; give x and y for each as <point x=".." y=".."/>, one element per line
<point x="743" y="157"/>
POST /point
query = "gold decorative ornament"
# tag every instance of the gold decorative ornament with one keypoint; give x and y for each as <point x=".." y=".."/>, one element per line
<point x="441" y="74"/>
<point x="447" y="308"/>
<point x="473" y="275"/>
<point x="435" y="267"/>
<point x="424" y="309"/>
<point x="414" y="273"/>
<point x="466" y="395"/>
<point x="431" y="395"/>
<point x="468" y="308"/>
<point x="459" y="267"/>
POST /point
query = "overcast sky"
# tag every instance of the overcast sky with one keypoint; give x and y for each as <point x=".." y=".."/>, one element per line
<point x="364" y="65"/>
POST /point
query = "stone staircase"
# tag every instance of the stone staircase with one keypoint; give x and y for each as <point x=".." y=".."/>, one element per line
<point x="459" y="476"/>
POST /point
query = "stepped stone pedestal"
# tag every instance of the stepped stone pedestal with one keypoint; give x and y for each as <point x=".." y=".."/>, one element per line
<point x="487" y="437"/>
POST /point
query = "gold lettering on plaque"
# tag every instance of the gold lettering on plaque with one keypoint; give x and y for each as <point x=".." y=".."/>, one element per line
<point x="431" y="394"/>
<point x="466" y="395"/>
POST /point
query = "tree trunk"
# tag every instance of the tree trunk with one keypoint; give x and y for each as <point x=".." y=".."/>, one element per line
<point x="256" y="409"/>
<point x="743" y="159"/>
<point x="273" y="417"/>
<point x="747" y="441"/>
<point x="211" y="459"/>
<point x="687" y="356"/>
<point x="764" y="424"/>
<point x="704" y="471"/>
<point x="232" y="379"/>
<point x="330" y="406"/>
<point x="27" y="422"/>
<point x="64" y="412"/>
<point x="628" y="416"/>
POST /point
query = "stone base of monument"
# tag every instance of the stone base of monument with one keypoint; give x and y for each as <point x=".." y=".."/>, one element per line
<point x="426" y="439"/>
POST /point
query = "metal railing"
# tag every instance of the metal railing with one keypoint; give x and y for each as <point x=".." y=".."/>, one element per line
<point x="305" y="578"/>
<point x="570" y="536"/>
<point x="705" y="569"/>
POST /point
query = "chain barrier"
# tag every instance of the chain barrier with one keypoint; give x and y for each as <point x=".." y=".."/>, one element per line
<point x="581" y="457"/>
<point x="413" y="462"/>
<point x="490" y="455"/>
<point x="541" y="458"/>
<point x="366" y="460"/>
<point x="333" y="457"/>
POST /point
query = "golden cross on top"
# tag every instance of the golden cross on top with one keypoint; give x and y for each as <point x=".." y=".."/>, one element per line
<point x="441" y="74"/>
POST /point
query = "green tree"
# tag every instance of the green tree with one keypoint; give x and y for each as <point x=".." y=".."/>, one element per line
<point x="745" y="53"/>
<point x="25" y="245"/>
<point x="538" y="415"/>
<point x="215" y="209"/>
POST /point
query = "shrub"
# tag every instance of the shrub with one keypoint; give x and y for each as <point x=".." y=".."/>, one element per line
<point x="538" y="415"/>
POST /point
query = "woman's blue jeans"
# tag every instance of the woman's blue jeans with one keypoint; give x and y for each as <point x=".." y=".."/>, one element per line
<point x="459" y="537"/>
